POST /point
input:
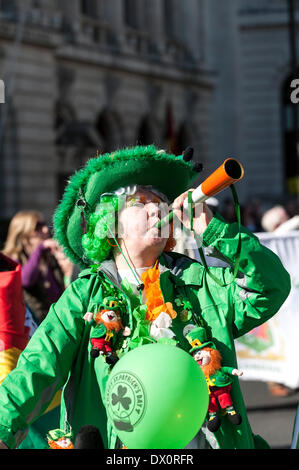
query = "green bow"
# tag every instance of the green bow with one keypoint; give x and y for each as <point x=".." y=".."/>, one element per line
<point x="56" y="434"/>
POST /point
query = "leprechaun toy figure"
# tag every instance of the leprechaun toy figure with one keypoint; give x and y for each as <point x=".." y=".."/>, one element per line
<point x="217" y="377"/>
<point x="107" y="223"/>
<point x="58" y="439"/>
<point x="107" y="323"/>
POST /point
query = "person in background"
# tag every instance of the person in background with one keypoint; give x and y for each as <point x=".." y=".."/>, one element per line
<point x="45" y="270"/>
<point x="288" y="226"/>
<point x="227" y="210"/>
<point x="251" y="216"/>
<point x="273" y="218"/>
<point x="14" y="334"/>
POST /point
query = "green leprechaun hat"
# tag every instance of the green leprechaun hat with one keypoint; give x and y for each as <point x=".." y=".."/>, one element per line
<point x="197" y="338"/>
<point x="56" y="434"/>
<point x="112" y="303"/>
<point x="141" y="165"/>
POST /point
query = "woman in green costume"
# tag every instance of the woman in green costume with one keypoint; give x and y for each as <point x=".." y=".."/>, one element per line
<point x="165" y="294"/>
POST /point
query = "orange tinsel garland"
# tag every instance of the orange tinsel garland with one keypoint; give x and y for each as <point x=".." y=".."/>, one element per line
<point x="154" y="298"/>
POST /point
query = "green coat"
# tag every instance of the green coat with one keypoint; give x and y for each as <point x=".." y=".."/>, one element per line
<point x="58" y="353"/>
<point x="221" y="377"/>
<point x="98" y="330"/>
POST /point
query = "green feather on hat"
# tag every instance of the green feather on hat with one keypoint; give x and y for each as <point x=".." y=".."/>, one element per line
<point x="141" y="165"/>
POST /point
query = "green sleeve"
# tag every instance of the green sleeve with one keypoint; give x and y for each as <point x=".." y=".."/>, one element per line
<point x="227" y="370"/>
<point x="43" y="366"/>
<point x="262" y="284"/>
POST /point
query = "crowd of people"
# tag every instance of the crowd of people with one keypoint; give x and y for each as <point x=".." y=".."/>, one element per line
<point x="259" y="216"/>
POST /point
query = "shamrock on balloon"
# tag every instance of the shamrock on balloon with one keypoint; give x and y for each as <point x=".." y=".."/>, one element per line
<point x="121" y="398"/>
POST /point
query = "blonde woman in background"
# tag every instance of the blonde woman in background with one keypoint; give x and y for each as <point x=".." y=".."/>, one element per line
<point x="45" y="270"/>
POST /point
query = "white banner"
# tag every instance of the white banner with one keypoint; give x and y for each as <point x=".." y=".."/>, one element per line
<point x="271" y="351"/>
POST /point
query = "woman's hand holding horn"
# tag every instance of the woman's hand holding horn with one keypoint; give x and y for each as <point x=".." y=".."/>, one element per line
<point x="202" y="213"/>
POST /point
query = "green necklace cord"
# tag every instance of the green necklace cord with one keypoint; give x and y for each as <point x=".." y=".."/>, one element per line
<point x="201" y="253"/>
<point x="140" y="286"/>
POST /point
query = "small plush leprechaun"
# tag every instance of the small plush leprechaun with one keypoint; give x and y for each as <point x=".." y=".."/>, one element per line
<point x="59" y="439"/>
<point x="217" y="377"/>
<point x="107" y="323"/>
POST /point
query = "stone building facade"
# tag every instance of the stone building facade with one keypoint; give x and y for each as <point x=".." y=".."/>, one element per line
<point x="248" y="45"/>
<point x="88" y="76"/>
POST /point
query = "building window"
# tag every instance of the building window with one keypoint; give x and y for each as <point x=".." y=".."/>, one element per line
<point x="168" y="18"/>
<point x="36" y="4"/>
<point x="109" y="127"/>
<point x="131" y="13"/>
<point x="89" y="8"/>
<point x="8" y="8"/>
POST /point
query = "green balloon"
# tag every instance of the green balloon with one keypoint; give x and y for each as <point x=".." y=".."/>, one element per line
<point x="156" y="397"/>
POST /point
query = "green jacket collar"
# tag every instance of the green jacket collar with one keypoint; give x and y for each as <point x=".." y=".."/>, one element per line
<point x="181" y="269"/>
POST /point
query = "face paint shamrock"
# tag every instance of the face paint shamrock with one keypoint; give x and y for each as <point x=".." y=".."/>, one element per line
<point x="121" y="398"/>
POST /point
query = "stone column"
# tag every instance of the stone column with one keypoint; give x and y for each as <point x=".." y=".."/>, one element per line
<point x="222" y="56"/>
<point x="188" y="24"/>
<point x="113" y="14"/>
<point x="154" y="24"/>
